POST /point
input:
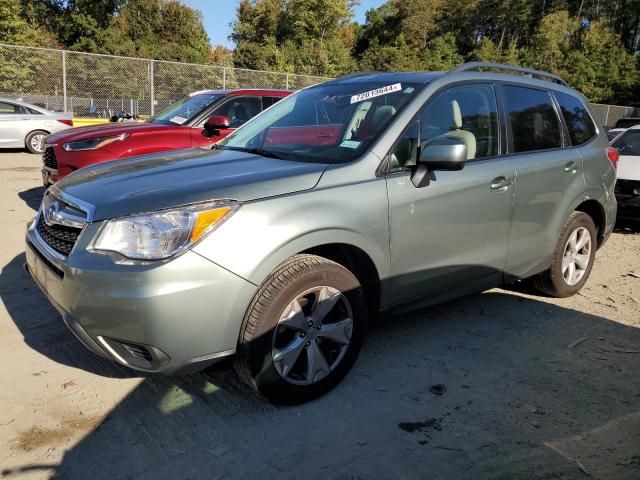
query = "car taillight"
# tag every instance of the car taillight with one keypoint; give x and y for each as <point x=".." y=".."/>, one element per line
<point x="67" y="122"/>
<point x="613" y="155"/>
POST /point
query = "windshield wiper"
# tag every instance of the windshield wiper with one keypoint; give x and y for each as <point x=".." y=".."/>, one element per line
<point x="258" y="151"/>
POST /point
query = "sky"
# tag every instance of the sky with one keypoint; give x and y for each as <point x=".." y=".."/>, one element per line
<point x="218" y="15"/>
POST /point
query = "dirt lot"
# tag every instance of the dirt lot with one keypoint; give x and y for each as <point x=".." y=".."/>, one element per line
<point x="535" y="389"/>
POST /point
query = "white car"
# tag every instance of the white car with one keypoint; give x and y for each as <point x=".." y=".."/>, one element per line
<point x="628" y="184"/>
<point x="25" y="126"/>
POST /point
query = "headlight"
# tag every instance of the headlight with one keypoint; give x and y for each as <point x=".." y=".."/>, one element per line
<point x="162" y="234"/>
<point x="93" y="143"/>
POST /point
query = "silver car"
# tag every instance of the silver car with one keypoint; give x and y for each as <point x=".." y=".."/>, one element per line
<point x="377" y="192"/>
<point x="25" y="126"/>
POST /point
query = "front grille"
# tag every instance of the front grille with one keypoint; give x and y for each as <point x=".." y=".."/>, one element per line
<point x="59" y="237"/>
<point x="627" y="187"/>
<point x="49" y="158"/>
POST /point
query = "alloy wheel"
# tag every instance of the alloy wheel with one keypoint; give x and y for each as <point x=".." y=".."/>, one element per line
<point x="312" y="335"/>
<point x="37" y="142"/>
<point x="577" y="255"/>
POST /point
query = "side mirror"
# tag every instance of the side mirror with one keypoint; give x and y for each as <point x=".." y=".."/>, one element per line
<point x="215" y="124"/>
<point x="451" y="155"/>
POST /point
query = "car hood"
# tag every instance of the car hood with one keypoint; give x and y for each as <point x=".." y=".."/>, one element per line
<point x="164" y="180"/>
<point x="104" y="130"/>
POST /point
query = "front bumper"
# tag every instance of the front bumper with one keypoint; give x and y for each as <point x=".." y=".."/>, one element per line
<point x="172" y="317"/>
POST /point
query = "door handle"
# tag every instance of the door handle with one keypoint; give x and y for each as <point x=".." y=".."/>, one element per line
<point x="501" y="183"/>
<point x="571" y="167"/>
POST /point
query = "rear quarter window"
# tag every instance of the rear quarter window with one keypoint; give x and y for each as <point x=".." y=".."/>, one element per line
<point x="534" y="123"/>
<point x="579" y="123"/>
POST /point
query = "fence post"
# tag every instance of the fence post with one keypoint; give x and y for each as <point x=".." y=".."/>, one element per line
<point x="64" y="79"/>
<point x="224" y="78"/>
<point x="606" y="120"/>
<point x="152" y="93"/>
<point x="287" y="81"/>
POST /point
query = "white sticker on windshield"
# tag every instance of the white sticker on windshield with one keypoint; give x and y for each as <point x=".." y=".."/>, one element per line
<point x="178" y="120"/>
<point x="396" y="87"/>
<point x="350" y="144"/>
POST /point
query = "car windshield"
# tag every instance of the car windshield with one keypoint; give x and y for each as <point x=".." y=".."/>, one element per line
<point x="629" y="143"/>
<point x="332" y="122"/>
<point x="185" y="110"/>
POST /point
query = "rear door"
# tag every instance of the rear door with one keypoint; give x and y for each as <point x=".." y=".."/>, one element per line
<point x="453" y="232"/>
<point x="549" y="176"/>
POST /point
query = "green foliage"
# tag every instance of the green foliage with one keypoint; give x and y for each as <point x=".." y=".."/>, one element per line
<point x="594" y="45"/>
<point x="298" y="36"/>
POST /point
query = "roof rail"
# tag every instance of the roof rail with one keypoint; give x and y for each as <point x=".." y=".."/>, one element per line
<point x="466" y="67"/>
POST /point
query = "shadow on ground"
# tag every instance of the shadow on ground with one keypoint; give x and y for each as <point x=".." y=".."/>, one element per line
<point x="32" y="197"/>
<point x="533" y="391"/>
<point x="627" y="226"/>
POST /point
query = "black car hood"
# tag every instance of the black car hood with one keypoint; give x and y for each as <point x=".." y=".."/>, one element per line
<point x="164" y="180"/>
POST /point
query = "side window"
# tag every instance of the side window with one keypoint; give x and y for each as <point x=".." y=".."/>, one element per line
<point x="534" y="123"/>
<point x="628" y="143"/>
<point x="9" y="108"/>
<point x="268" y="101"/>
<point x="467" y="114"/>
<point x="239" y="110"/>
<point x="579" y="123"/>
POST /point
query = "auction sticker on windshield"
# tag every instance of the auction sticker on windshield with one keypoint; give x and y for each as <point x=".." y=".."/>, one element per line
<point x="396" y="87"/>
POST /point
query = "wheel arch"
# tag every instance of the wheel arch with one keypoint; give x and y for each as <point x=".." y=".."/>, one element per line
<point x="26" y="136"/>
<point x="358" y="262"/>
<point x="595" y="210"/>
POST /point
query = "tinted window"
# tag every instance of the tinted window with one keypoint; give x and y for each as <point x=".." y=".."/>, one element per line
<point x="534" y="123"/>
<point x="239" y="110"/>
<point x="629" y="143"/>
<point x="627" y="122"/>
<point x="268" y="101"/>
<point x="466" y="114"/>
<point x="579" y="123"/>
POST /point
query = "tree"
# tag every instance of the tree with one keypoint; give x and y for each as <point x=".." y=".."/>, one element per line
<point x="441" y="53"/>
<point x="298" y="36"/>
<point x="15" y="29"/>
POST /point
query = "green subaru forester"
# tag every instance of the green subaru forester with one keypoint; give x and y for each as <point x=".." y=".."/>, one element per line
<point x="374" y="192"/>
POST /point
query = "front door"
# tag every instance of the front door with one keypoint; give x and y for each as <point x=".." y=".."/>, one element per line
<point x="453" y="231"/>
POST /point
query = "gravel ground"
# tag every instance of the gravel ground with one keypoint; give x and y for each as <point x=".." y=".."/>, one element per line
<point x="498" y="385"/>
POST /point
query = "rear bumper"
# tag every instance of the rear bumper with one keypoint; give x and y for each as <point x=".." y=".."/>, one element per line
<point x="175" y="317"/>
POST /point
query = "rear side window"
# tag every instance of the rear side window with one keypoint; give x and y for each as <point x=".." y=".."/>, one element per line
<point x="534" y="123"/>
<point x="629" y="143"/>
<point x="268" y="101"/>
<point x="10" y="108"/>
<point x="579" y="123"/>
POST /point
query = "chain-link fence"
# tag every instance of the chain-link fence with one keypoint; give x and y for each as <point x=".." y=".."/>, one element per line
<point x="92" y="85"/>
<point x="608" y="115"/>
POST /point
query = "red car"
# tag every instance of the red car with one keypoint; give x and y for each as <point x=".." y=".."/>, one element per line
<point x="201" y="119"/>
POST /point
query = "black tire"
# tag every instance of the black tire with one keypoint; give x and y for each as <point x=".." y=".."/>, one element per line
<point x="254" y="360"/>
<point x="551" y="282"/>
<point x="29" y="139"/>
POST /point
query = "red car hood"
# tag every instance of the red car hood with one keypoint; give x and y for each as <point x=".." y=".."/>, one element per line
<point x="93" y="131"/>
